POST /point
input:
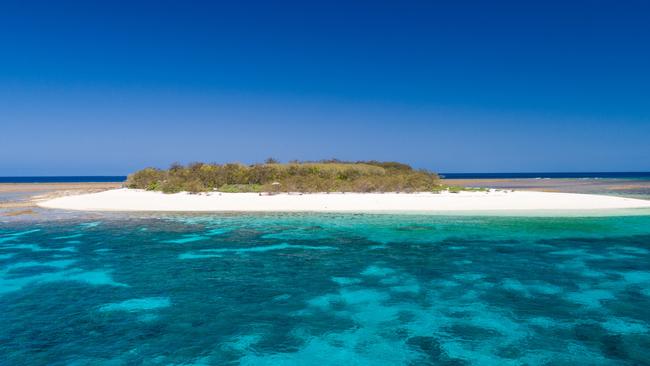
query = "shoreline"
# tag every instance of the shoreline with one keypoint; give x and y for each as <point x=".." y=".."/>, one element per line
<point x="22" y="198"/>
<point x="495" y="201"/>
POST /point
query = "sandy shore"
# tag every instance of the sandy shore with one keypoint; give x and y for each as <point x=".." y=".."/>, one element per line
<point x="21" y="198"/>
<point x="139" y="200"/>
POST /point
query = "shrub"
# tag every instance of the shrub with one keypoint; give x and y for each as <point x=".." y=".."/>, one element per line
<point x="325" y="176"/>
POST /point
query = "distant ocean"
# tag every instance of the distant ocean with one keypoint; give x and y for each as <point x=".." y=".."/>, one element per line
<point x="575" y="175"/>
<point x="65" y="179"/>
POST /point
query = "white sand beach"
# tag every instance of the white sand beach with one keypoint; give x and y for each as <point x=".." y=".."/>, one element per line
<point x="493" y="200"/>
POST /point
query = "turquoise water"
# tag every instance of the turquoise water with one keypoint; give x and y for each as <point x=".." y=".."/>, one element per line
<point x="325" y="289"/>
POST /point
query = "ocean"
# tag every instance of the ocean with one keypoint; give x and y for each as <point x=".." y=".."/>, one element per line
<point x="64" y="179"/>
<point x="549" y="175"/>
<point x="326" y="289"/>
<point x="540" y="175"/>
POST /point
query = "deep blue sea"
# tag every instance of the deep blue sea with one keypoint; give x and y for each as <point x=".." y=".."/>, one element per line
<point x="120" y="178"/>
<point x="549" y="175"/>
<point x="325" y="289"/>
<point x="64" y="179"/>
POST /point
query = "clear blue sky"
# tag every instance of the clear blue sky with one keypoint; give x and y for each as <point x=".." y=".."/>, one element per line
<point x="107" y="87"/>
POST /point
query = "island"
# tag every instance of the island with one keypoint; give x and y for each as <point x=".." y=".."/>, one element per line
<point x="322" y="186"/>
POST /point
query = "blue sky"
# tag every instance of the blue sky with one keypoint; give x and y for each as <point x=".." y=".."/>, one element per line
<point x="108" y="87"/>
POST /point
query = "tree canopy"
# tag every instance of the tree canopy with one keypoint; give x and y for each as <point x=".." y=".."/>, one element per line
<point x="322" y="176"/>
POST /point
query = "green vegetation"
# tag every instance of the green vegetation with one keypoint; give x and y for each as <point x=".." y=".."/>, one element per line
<point x="271" y="176"/>
<point x="454" y="189"/>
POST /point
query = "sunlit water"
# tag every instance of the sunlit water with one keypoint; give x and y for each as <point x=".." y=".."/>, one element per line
<point x="325" y="290"/>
